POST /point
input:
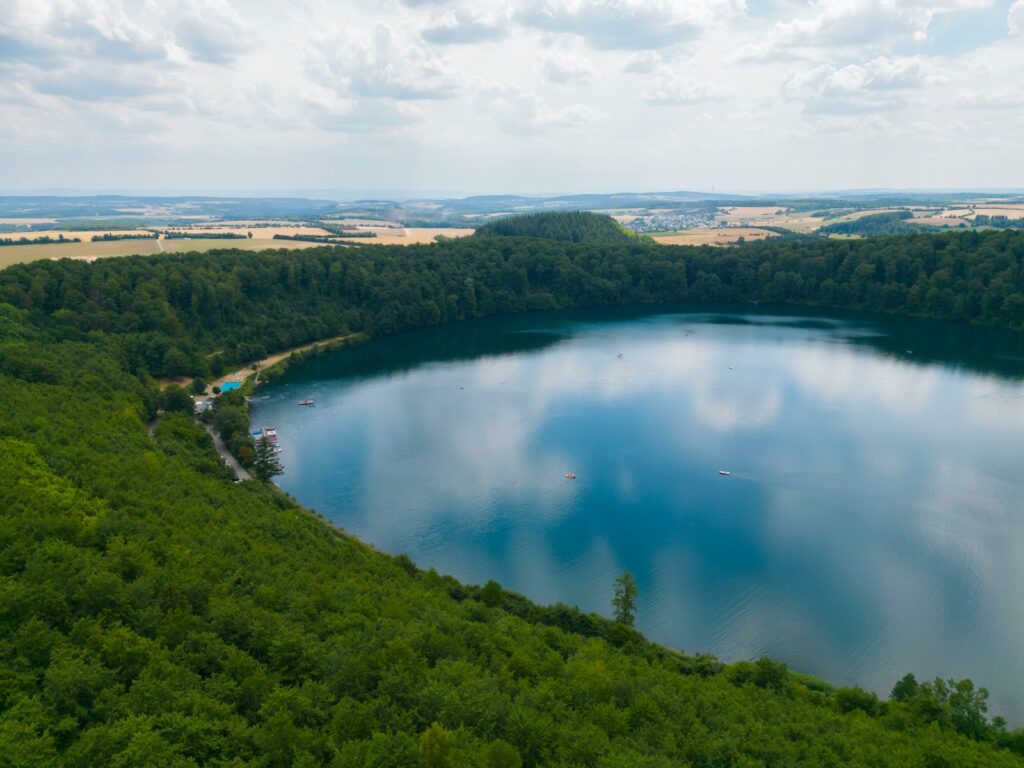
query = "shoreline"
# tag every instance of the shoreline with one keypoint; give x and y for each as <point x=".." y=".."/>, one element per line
<point x="271" y="364"/>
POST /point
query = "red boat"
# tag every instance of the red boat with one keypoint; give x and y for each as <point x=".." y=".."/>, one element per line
<point x="571" y="475"/>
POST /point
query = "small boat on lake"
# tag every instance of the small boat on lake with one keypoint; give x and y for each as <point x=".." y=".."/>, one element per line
<point x="307" y="401"/>
<point x="570" y="475"/>
<point x="724" y="472"/>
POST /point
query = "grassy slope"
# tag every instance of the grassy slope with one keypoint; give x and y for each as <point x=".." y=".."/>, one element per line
<point x="153" y="614"/>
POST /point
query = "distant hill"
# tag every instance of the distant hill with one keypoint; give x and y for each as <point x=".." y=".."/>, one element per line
<point x="573" y="227"/>
<point x="888" y="223"/>
<point x="159" y="208"/>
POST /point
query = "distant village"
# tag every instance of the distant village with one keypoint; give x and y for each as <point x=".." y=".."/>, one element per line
<point x="674" y="221"/>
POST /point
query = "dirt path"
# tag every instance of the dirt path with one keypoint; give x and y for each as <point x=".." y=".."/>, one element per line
<point x="243" y="373"/>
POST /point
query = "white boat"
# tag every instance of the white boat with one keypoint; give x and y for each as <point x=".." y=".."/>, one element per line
<point x="724" y="472"/>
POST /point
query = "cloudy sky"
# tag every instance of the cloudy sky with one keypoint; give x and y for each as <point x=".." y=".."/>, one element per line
<point x="511" y="96"/>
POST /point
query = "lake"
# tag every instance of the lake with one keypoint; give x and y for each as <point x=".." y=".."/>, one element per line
<point x="872" y="524"/>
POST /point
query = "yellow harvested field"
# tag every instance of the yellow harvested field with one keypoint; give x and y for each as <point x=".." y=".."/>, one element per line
<point x="410" y="236"/>
<point x="768" y="216"/>
<point x="70" y="234"/>
<point x="371" y="223"/>
<point x="752" y="211"/>
<point x="90" y="251"/>
<point x="803" y="222"/>
<point x="27" y="222"/>
<point x="258" y="233"/>
<point x="939" y="221"/>
<point x="1009" y="211"/>
<point x="797" y="222"/>
<point x="87" y="251"/>
<point x="859" y="215"/>
<point x="714" y="236"/>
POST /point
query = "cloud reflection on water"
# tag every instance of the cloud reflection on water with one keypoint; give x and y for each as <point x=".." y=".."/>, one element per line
<point x="868" y="530"/>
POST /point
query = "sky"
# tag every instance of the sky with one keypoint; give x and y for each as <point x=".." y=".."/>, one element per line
<point x="511" y="96"/>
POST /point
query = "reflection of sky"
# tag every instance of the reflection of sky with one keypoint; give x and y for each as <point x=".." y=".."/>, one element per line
<point x="868" y="529"/>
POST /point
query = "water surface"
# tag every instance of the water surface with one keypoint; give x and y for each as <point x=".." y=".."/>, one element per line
<point x="872" y="525"/>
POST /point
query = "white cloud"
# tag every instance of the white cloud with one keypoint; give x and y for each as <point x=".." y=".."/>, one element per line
<point x="281" y="81"/>
<point x="521" y="112"/>
<point x="829" y="27"/>
<point x="568" y="69"/>
<point x="465" y="27"/>
<point x="47" y="32"/>
<point x="642" y="62"/>
<point x="623" y="24"/>
<point x="93" y="85"/>
<point x="382" y="63"/>
<point x="862" y="125"/>
<point x="879" y="84"/>
<point x="360" y="115"/>
<point x="998" y="97"/>
<point x="1015" y="18"/>
<point x="859" y="22"/>
<point x="669" y="89"/>
<point x="211" y="31"/>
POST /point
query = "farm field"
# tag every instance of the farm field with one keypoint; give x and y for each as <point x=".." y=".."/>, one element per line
<point x="408" y="236"/>
<point x="88" y="251"/>
<point x="261" y="240"/>
<point x="713" y="236"/>
<point x="70" y="234"/>
<point x="1009" y="211"/>
<point x="940" y="221"/>
<point x="741" y="213"/>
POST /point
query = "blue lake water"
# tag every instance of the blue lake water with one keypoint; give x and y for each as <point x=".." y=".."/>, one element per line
<point x="872" y="525"/>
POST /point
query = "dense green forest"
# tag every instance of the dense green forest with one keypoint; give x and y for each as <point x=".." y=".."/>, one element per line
<point x="153" y="613"/>
<point x="983" y="220"/>
<point x="324" y="239"/>
<point x="168" y="312"/>
<point x="187" y="235"/>
<point x="41" y="240"/>
<point x="888" y="223"/>
<point x="107" y="237"/>
<point x="575" y="227"/>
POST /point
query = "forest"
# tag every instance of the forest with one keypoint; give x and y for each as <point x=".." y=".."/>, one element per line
<point x="984" y="220"/>
<point x="168" y="312"/>
<point x="573" y="227"/>
<point x="41" y="240"/>
<point x="108" y="237"/>
<point x="153" y="613"/>
<point x="888" y="223"/>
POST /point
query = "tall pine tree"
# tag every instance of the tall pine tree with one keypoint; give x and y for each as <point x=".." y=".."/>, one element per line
<point x="266" y="464"/>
